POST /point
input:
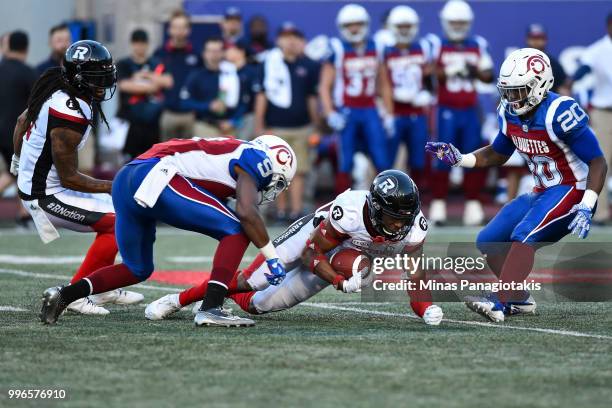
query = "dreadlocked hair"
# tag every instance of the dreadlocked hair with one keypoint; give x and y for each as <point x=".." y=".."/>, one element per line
<point x="53" y="80"/>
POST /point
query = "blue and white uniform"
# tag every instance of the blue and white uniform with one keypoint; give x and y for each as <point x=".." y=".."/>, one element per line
<point x="557" y="144"/>
<point x="191" y="180"/>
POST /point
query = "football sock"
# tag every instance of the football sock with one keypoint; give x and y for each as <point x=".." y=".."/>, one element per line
<point x="101" y="253"/>
<point x="516" y="268"/>
<point x="473" y="183"/>
<point x="439" y="184"/>
<point x="227" y="259"/>
<point x="196" y="293"/>
<point x="102" y="280"/>
<point x="243" y="299"/>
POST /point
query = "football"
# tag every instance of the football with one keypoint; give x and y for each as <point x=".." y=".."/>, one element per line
<point x="348" y="261"/>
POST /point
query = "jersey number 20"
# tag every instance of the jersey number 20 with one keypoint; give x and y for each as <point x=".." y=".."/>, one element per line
<point x="571" y="117"/>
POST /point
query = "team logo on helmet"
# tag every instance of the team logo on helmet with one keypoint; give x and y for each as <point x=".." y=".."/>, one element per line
<point x="81" y="52"/>
<point x="388" y="186"/>
<point x="536" y="63"/>
<point x="283" y="155"/>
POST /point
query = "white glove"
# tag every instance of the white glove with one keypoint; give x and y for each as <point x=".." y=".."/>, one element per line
<point x="353" y="284"/>
<point x="456" y="68"/>
<point x="336" y="121"/>
<point x="423" y="98"/>
<point x="433" y="315"/>
<point x="14" y="165"/>
<point x="389" y="124"/>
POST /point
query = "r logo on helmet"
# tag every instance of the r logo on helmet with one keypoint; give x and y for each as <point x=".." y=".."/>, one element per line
<point x="81" y="53"/>
<point x="388" y="186"/>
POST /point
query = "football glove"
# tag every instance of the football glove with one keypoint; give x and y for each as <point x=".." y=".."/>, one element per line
<point x="389" y="124"/>
<point x="336" y="121"/>
<point x="581" y="224"/>
<point x="353" y="284"/>
<point x="446" y="152"/>
<point x="433" y="315"/>
<point x="14" y="165"/>
<point x="277" y="272"/>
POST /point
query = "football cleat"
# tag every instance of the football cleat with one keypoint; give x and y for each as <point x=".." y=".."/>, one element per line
<point x="437" y="212"/>
<point x="52" y="305"/>
<point x="87" y="307"/>
<point x="489" y="307"/>
<point x="117" y="297"/>
<point x="196" y="307"/>
<point x="473" y="214"/>
<point x="527" y="306"/>
<point x="217" y="316"/>
<point x="163" y="307"/>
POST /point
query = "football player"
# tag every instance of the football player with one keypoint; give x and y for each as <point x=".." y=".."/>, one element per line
<point x="182" y="183"/>
<point x="461" y="60"/>
<point x="405" y="88"/>
<point x="347" y="90"/>
<point x="552" y="134"/>
<point x="47" y="138"/>
<point x="381" y="222"/>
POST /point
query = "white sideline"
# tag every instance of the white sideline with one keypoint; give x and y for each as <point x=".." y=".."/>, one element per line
<point x="333" y="306"/>
<point x="61" y="260"/>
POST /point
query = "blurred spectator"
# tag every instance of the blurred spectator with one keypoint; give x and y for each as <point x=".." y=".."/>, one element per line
<point x="179" y="60"/>
<point x="16" y="81"/>
<point x="287" y="106"/>
<point x="231" y="26"/>
<point x="538" y="39"/>
<point x="213" y="92"/>
<point x="258" y="42"/>
<point x="597" y="59"/>
<point x="59" y="41"/>
<point x="4" y="43"/>
<point x="249" y="86"/>
<point x="140" y="81"/>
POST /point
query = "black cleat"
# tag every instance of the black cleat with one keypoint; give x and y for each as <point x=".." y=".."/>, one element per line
<point x="52" y="305"/>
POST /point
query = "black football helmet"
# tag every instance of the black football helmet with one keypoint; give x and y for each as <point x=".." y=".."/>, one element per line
<point x="393" y="193"/>
<point x="88" y="66"/>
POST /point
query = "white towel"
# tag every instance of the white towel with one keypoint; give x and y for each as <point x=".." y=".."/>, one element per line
<point x="277" y="80"/>
<point x="45" y="228"/>
<point x="154" y="183"/>
<point x="229" y="84"/>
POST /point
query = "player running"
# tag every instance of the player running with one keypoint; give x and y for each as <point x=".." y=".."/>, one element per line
<point x="461" y="60"/>
<point x="183" y="183"/>
<point x="406" y="83"/>
<point x="348" y="93"/>
<point x="47" y="138"/>
<point x="552" y="134"/>
<point x="384" y="221"/>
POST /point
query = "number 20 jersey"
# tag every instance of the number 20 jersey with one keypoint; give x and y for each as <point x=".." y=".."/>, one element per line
<point x="545" y="140"/>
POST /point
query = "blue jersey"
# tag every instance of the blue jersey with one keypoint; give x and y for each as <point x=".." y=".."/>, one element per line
<point x="210" y="163"/>
<point x="556" y="142"/>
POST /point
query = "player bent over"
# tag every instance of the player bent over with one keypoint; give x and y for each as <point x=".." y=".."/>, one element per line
<point x="47" y="138"/>
<point x="182" y="183"/>
<point x="551" y="132"/>
<point x="384" y="221"/>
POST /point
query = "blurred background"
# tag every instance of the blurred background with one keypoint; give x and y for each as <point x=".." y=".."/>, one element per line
<point x="225" y="44"/>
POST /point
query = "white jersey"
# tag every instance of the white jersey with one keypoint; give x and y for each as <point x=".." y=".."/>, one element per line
<point x="347" y="217"/>
<point x="38" y="176"/>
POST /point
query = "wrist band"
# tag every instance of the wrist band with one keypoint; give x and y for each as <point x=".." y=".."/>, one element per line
<point x="589" y="198"/>
<point x="468" y="161"/>
<point x="269" y="251"/>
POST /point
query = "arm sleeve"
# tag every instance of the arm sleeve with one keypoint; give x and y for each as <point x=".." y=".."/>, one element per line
<point x="503" y="145"/>
<point x="570" y="123"/>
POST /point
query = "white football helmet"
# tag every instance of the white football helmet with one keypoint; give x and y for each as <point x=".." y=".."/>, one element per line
<point x="351" y="14"/>
<point x="456" y="17"/>
<point x="284" y="165"/>
<point x="525" y="78"/>
<point x="402" y="16"/>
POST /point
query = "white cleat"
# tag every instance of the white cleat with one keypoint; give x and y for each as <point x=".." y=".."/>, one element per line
<point x="473" y="213"/>
<point x="196" y="307"/>
<point x="485" y="307"/>
<point x="117" y="297"/>
<point x="437" y="212"/>
<point x="163" y="307"/>
<point x="87" y="307"/>
<point x="525" y="307"/>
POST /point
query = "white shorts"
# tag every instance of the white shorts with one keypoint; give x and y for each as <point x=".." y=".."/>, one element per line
<point x="73" y="210"/>
<point x="300" y="283"/>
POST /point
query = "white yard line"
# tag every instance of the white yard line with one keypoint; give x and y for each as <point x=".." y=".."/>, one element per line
<point x="12" y="309"/>
<point x="61" y="260"/>
<point x="334" y="306"/>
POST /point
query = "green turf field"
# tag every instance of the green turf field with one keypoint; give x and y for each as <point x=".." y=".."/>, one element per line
<point x="331" y="352"/>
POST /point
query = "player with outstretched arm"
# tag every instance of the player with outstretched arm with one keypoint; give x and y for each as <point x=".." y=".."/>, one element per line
<point x="552" y="134"/>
